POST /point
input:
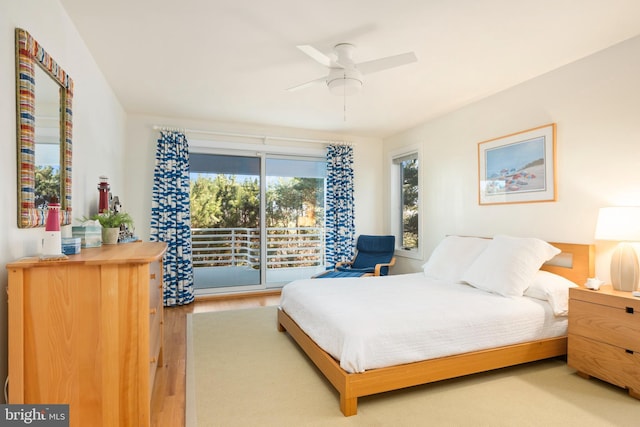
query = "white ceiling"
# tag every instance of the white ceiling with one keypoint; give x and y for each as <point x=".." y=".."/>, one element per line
<point x="232" y="61"/>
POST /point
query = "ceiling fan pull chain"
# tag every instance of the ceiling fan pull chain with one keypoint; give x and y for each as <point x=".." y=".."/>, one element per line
<point x="344" y="99"/>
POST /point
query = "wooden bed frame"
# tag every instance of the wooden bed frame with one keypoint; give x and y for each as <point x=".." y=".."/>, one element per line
<point x="576" y="263"/>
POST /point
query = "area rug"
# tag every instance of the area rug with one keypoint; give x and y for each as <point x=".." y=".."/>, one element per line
<point x="242" y="372"/>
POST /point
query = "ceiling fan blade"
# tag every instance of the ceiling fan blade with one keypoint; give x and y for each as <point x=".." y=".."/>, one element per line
<point x="308" y="84"/>
<point x="315" y="54"/>
<point x="386" y="63"/>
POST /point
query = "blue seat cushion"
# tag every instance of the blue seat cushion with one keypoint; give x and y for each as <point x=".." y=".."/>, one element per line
<point x="356" y="270"/>
<point x="337" y="273"/>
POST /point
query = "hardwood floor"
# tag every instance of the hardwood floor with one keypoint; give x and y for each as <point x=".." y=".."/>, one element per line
<point x="168" y="398"/>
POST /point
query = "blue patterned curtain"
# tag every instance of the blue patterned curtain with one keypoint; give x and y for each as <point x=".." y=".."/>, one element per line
<point x="340" y="224"/>
<point x="171" y="217"/>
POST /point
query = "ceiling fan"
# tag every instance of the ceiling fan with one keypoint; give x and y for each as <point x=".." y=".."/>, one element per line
<point x="345" y="76"/>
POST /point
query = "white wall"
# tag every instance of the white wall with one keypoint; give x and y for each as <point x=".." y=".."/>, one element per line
<point x="596" y="105"/>
<point x="141" y="145"/>
<point x="98" y="128"/>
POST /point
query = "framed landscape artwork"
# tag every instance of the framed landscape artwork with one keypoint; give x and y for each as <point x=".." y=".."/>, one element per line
<point x="518" y="168"/>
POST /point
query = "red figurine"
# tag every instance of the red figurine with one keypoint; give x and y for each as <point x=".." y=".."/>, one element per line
<point x="103" y="189"/>
<point x="53" y="215"/>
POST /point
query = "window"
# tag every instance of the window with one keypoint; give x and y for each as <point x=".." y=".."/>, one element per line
<point x="405" y="202"/>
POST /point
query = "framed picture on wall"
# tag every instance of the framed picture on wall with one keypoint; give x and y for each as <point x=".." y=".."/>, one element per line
<point x="518" y="168"/>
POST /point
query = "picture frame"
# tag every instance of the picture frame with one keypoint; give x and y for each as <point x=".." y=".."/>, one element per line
<point x="518" y="168"/>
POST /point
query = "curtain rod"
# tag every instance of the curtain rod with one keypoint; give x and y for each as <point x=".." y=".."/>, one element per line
<point x="264" y="138"/>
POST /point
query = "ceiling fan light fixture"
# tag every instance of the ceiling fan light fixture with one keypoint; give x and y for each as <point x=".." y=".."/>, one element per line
<point x="345" y="86"/>
<point x="343" y="82"/>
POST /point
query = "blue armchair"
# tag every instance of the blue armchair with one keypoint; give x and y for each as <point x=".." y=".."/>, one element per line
<point x="374" y="257"/>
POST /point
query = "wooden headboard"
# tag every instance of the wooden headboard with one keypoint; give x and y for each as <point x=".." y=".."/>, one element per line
<point x="576" y="262"/>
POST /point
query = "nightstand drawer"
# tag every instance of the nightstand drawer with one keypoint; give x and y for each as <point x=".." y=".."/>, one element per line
<point x="608" y="297"/>
<point x="611" y="325"/>
<point x="609" y="363"/>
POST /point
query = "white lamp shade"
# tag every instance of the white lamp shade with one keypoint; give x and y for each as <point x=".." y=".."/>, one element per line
<point x="619" y="223"/>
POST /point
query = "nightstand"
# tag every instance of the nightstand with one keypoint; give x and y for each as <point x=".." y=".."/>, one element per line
<point x="604" y="336"/>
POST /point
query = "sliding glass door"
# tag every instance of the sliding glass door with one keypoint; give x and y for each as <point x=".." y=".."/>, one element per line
<point x="225" y="220"/>
<point x="257" y="221"/>
<point x="294" y="219"/>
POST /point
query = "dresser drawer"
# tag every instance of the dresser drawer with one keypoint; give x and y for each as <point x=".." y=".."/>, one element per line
<point x="614" y="325"/>
<point x="609" y="363"/>
<point x="155" y="319"/>
<point x="155" y="285"/>
<point x="155" y="331"/>
<point x="155" y="345"/>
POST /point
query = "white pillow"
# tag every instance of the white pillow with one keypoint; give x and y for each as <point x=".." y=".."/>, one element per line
<point x="508" y="265"/>
<point x="453" y="256"/>
<point x="552" y="288"/>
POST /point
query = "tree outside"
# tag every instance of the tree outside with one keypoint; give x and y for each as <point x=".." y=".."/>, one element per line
<point x="47" y="185"/>
<point x="294" y="207"/>
<point x="224" y="201"/>
<point x="410" y="203"/>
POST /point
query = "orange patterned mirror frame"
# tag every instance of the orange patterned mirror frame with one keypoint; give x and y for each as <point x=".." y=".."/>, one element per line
<point x="30" y="54"/>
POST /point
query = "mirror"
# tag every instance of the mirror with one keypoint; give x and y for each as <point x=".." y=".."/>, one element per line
<point x="43" y="93"/>
<point x="47" y="140"/>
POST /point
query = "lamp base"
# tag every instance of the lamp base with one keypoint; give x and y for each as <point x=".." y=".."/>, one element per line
<point x="624" y="268"/>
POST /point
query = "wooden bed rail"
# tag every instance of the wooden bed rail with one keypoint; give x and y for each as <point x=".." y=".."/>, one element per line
<point x="351" y="386"/>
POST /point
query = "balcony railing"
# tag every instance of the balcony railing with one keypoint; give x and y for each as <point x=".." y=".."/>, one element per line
<point x="240" y="247"/>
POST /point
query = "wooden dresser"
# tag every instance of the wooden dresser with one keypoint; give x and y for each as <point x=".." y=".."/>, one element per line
<point x="88" y="332"/>
<point x="604" y="336"/>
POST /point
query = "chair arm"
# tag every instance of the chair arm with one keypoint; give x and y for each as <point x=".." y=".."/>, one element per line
<point x="358" y="270"/>
<point x="388" y="264"/>
<point x="341" y="263"/>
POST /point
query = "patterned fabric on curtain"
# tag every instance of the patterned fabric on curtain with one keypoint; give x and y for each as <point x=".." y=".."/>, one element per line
<point x="171" y="217"/>
<point x="340" y="225"/>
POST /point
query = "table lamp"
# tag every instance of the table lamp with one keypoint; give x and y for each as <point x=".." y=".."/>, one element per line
<point x="621" y="224"/>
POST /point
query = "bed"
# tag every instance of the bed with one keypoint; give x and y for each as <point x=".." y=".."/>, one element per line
<point x="338" y="345"/>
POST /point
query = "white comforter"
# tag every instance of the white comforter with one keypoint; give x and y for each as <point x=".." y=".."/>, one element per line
<point x="374" y="322"/>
